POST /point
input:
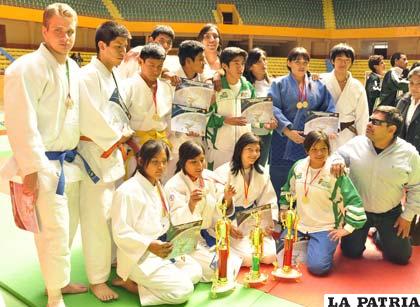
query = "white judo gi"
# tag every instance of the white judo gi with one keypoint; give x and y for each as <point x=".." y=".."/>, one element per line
<point x="260" y="192"/>
<point x="35" y="90"/>
<point x="137" y="219"/>
<point x="99" y="121"/>
<point x="351" y="104"/>
<point x="179" y="189"/>
<point x="140" y="102"/>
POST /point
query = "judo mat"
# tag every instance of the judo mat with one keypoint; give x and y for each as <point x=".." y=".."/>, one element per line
<point x="20" y="276"/>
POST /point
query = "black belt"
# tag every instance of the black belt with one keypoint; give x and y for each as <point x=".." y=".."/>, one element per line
<point x="348" y="125"/>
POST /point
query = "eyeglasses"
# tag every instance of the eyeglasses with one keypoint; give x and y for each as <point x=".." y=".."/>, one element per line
<point x="377" y="122"/>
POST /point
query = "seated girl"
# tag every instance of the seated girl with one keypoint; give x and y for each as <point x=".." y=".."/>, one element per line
<point x="328" y="208"/>
<point x="253" y="188"/>
<point x="140" y="217"/>
<point x="194" y="193"/>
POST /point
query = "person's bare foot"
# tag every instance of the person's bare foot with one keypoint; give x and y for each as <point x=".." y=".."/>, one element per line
<point x="59" y="302"/>
<point x="129" y="285"/>
<point x="103" y="292"/>
<point x="72" y="289"/>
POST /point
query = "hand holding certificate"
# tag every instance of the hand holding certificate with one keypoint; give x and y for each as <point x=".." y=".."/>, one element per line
<point x="257" y="110"/>
<point x="325" y="121"/>
<point x="184" y="238"/>
<point x="191" y="102"/>
<point x="24" y="211"/>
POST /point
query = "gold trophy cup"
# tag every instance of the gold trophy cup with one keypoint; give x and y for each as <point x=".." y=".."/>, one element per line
<point x="257" y="241"/>
<point x="221" y="282"/>
<point x="289" y="222"/>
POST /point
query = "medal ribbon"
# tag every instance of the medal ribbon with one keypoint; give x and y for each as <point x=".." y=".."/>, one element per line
<point x="154" y="91"/>
<point x="302" y="93"/>
<point x="312" y="180"/>
<point x="162" y="199"/>
<point x="246" y="184"/>
<point x="68" y="82"/>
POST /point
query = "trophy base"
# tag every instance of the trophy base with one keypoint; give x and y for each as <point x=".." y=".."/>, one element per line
<point x="253" y="281"/>
<point x="219" y="287"/>
<point x="292" y="274"/>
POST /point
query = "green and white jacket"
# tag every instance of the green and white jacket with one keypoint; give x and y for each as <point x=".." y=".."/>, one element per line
<point x="224" y="136"/>
<point x="332" y="202"/>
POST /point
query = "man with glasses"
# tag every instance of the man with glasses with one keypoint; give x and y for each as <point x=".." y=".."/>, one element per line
<point x="383" y="166"/>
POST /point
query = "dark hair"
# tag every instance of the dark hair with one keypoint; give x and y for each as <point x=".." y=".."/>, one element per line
<point x="206" y="29"/>
<point x="148" y="151"/>
<point x="229" y="53"/>
<point x="152" y="51"/>
<point x="395" y="57"/>
<point x="296" y="53"/>
<point x="342" y="49"/>
<point x="109" y="31"/>
<point x="189" y="49"/>
<point x="187" y="151"/>
<point x="393" y="116"/>
<point x="254" y="56"/>
<point x="374" y="60"/>
<point x="163" y="29"/>
<point x="236" y="163"/>
<point x="415" y="65"/>
<point x="314" y="137"/>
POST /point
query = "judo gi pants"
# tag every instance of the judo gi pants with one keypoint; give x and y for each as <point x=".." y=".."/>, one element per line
<point x="394" y="248"/>
<point x="243" y="248"/>
<point x="95" y="225"/>
<point x="58" y="219"/>
<point x="171" y="283"/>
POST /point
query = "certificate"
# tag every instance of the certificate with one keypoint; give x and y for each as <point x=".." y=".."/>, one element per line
<point x="185" y="119"/>
<point x="194" y="94"/>
<point x="184" y="238"/>
<point x="257" y="110"/>
<point x="325" y="121"/>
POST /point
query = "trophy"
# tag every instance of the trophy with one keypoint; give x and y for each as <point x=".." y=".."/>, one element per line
<point x="221" y="282"/>
<point x="289" y="222"/>
<point x="257" y="241"/>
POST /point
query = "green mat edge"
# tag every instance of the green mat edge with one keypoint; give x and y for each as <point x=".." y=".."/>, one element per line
<point x="16" y="295"/>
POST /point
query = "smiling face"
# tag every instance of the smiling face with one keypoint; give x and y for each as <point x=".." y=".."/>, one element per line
<point x="318" y="154"/>
<point x="164" y="40"/>
<point x="250" y="154"/>
<point x="194" y="167"/>
<point x="211" y="40"/>
<point x="60" y="34"/>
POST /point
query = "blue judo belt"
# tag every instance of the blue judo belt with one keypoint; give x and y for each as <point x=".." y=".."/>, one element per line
<point x="69" y="156"/>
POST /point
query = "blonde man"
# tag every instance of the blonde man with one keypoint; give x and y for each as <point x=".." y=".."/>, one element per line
<point x="41" y="103"/>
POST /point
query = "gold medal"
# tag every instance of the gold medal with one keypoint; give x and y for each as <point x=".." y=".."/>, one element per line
<point x="69" y="102"/>
<point x="155" y="117"/>
<point x="299" y="105"/>
<point x="305" y="104"/>
<point x="305" y="199"/>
